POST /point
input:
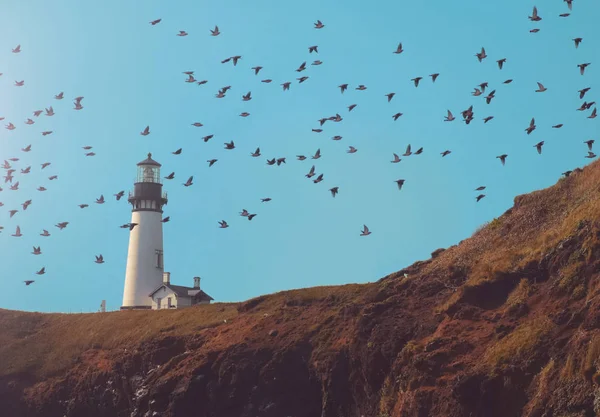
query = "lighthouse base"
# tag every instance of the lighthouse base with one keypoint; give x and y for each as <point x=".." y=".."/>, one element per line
<point x="136" y="308"/>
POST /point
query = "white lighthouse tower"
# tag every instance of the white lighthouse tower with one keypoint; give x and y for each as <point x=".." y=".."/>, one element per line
<point x="144" y="271"/>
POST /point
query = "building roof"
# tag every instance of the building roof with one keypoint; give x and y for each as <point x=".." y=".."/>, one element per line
<point x="182" y="291"/>
<point x="149" y="161"/>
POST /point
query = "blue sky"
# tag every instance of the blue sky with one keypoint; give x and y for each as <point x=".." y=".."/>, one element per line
<point x="130" y="74"/>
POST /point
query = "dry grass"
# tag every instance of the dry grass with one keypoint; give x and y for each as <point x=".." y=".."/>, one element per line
<point x="590" y="363"/>
<point x="536" y="223"/>
<point x="519" y="295"/>
<point x="45" y="344"/>
<point x="519" y="344"/>
<point x="569" y="370"/>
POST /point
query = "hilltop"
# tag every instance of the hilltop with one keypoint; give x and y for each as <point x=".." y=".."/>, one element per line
<point x="503" y="324"/>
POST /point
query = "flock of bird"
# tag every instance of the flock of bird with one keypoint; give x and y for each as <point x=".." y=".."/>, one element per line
<point x="468" y="116"/>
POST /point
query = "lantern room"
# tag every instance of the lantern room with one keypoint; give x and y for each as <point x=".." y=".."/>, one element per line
<point x="148" y="170"/>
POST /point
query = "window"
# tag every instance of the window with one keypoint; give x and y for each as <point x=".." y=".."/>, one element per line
<point x="169" y="302"/>
<point x="159" y="259"/>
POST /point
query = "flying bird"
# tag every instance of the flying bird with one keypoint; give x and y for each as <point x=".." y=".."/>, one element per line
<point x="583" y="91"/>
<point x="215" y="31"/>
<point x="481" y="55"/>
<point x="416" y="80"/>
<point x="365" y="231"/>
<point x="541" y="88"/>
<point x="501" y="62"/>
<point x="534" y="16"/>
<point x="223" y="224"/>
<point x="582" y="67"/>
<point x="538" y="146"/>
<point x="577" y="42"/>
<point x="16" y="49"/>
<point x="146" y="131"/>
<point x="189" y="181"/>
<point x="502" y="158"/>
<point x="41" y="271"/>
<point x="589" y="143"/>
<point x="319" y="25"/>
<point x="334" y="191"/>
<point x="99" y="259"/>
<point x="531" y="127"/>
<point x="400" y="183"/>
<point x="100" y="200"/>
<point x="155" y="22"/>
<point x="399" y="49"/>
<point x="479" y="197"/>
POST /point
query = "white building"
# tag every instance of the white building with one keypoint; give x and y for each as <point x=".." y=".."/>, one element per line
<point x="146" y="283"/>
<point x="168" y="295"/>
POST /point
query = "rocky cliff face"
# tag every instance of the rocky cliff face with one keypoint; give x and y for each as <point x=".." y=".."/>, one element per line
<point x="503" y="324"/>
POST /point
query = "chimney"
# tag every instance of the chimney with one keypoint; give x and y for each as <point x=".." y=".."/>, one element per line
<point x="166" y="278"/>
<point x="197" y="283"/>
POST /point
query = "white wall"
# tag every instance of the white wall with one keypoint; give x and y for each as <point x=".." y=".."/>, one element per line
<point x="141" y="276"/>
<point x="164" y="294"/>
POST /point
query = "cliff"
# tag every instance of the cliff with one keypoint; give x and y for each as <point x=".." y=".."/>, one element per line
<point x="503" y="324"/>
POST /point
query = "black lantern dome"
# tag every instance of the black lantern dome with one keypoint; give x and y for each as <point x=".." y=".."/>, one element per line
<point x="147" y="194"/>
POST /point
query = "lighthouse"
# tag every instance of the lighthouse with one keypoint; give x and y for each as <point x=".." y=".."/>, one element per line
<point x="144" y="272"/>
